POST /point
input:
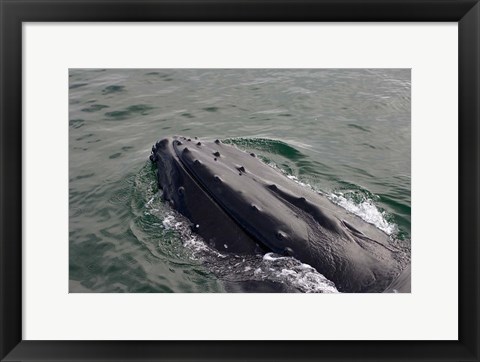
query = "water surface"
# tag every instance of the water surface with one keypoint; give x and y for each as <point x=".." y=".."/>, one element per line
<point x="345" y="132"/>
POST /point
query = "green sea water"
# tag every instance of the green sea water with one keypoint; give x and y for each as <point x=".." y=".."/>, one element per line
<point x="344" y="132"/>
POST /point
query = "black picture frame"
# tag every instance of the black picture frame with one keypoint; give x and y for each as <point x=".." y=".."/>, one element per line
<point x="14" y="12"/>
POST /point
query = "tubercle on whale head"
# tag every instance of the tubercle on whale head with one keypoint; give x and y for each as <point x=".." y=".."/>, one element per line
<point x="160" y="144"/>
<point x="153" y="154"/>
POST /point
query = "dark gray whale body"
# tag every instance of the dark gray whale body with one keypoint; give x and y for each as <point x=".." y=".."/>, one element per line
<point x="238" y="204"/>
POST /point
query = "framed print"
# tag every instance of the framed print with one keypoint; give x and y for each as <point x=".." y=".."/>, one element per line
<point x="239" y="181"/>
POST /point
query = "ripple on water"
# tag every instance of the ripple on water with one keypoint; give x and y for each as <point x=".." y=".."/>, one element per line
<point x="356" y="126"/>
<point x="77" y="85"/>
<point x="94" y="108"/>
<point x="76" y="123"/>
<point x="88" y="135"/>
<point x="113" y="89"/>
<point x="122" y="194"/>
<point x="115" y="155"/>
<point x="211" y="109"/>
<point x="133" y="110"/>
<point x="86" y="175"/>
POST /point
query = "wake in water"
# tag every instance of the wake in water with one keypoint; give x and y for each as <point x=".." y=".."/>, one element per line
<point x="367" y="211"/>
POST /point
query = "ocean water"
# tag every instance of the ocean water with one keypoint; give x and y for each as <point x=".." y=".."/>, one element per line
<point x="343" y="132"/>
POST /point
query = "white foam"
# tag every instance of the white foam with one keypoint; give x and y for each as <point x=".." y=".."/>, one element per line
<point x="288" y="272"/>
<point x="175" y="222"/>
<point x="170" y="223"/>
<point x="367" y="211"/>
<point x="295" y="178"/>
<point x="272" y="257"/>
<point x="292" y="272"/>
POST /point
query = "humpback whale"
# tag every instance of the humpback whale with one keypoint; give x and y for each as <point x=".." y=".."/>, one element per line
<point x="238" y="204"/>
